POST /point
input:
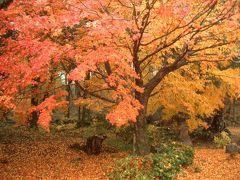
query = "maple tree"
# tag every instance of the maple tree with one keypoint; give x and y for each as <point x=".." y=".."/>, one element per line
<point x="120" y="42"/>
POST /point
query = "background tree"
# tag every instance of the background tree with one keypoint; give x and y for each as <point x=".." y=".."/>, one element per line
<point x="198" y="93"/>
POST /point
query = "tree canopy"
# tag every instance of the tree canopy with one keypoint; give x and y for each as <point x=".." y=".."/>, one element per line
<point x="135" y="50"/>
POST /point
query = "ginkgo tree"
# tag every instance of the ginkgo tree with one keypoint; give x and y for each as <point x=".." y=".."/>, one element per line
<point x="121" y="42"/>
<point x="196" y="91"/>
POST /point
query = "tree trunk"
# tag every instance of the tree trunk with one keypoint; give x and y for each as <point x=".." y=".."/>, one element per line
<point x="83" y="116"/>
<point x="183" y="134"/>
<point x="140" y="140"/>
<point x="234" y="111"/>
<point x="78" y="95"/>
<point x="83" y="112"/>
<point x="34" y="115"/>
<point x="79" y="117"/>
<point x="68" y="98"/>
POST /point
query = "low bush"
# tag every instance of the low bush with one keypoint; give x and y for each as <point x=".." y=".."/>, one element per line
<point x="164" y="165"/>
<point x="222" y="139"/>
<point x="202" y="133"/>
<point x="158" y="135"/>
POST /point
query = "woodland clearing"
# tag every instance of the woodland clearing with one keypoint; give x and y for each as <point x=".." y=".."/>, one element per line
<point x="29" y="155"/>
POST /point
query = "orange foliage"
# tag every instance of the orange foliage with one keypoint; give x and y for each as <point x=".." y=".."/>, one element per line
<point x="119" y="42"/>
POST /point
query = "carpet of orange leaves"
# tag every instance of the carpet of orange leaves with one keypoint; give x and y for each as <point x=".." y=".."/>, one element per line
<point x="51" y="158"/>
<point x="212" y="164"/>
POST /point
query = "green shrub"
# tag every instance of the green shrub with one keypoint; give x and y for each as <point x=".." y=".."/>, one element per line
<point x="202" y="133"/>
<point x="164" y="165"/>
<point x="222" y="139"/>
<point x="125" y="133"/>
<point x="158" y="135"/>
<point x="133" y="167"/>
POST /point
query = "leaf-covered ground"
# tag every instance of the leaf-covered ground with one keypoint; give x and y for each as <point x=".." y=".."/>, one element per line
<point x="212" y="164"/>
<point x="28" y="155"/>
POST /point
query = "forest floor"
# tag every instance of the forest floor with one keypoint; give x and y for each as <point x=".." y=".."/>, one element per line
<point x="26" y="155"/>
<point x="29" y="155"/>
<point x="214" y="164"/>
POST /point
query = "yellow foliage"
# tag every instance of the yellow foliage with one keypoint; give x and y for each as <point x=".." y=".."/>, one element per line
<point x="195" y="93"/>
<point x="195" y="123"/>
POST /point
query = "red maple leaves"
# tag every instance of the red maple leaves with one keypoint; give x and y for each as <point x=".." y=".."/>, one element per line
<point x="112" y="33"/>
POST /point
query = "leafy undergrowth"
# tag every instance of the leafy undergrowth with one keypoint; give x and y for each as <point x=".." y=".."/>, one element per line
<point x="164" y="164"/>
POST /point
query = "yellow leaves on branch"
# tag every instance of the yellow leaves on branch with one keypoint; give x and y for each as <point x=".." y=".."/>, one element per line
<point x="195" y="92"/>
<point x="195" y="123"/>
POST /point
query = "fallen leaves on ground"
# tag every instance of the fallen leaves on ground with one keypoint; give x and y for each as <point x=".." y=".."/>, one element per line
<point x="28" y="156"/>
<point x="212" y="164"/>
<point x="51" y="158"/>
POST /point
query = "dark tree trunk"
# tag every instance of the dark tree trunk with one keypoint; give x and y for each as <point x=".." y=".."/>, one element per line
<point x="234" y="117"/>
<point x="183" y="134"/>
<point x="218" y="124"/>
<point x="140" y="140"/>
<point x="79" y="117"/>
<point x="83" y="116"/>
<point x="34" y="102"/>
<point x="83" y="112"/>
<point x="78" y="94"/>
<point x="68" y="98"/>
<point x="34" y="115"/>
